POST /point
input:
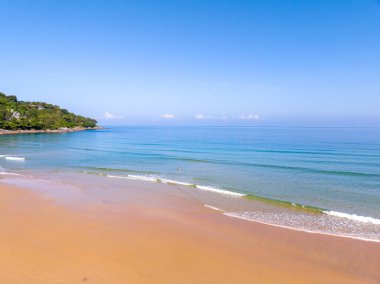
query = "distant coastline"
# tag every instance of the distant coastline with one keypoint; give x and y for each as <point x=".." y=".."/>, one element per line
<point x="19" y="117"/>
<point x="35" y="131"/>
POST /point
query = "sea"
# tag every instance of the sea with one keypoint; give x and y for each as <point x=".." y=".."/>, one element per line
<point x="317" y="180"/>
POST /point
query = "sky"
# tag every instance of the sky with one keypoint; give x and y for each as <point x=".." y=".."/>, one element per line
<point x="267" y="62"/>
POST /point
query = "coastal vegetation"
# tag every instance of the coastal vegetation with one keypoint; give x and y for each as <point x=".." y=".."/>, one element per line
<point x="21" y="115"/>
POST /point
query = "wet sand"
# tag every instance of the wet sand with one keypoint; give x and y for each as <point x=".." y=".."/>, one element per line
<point x="161" y="238"/>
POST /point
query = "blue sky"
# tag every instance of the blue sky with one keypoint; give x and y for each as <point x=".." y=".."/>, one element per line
<point x="197" y="62"/>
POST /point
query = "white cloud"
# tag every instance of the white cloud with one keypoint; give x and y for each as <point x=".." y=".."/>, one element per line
<point x="168" y="116"/>
<point x="108" y="115"/>
<point x="203" y="116"/>
<point x="200" y="116"/>
<point x="249" y="117"/>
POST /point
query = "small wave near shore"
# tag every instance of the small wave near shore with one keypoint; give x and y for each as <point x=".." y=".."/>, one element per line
<point x="287" y="214"/>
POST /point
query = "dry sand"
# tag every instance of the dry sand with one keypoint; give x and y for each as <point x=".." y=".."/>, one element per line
<point x="165" y="239"/>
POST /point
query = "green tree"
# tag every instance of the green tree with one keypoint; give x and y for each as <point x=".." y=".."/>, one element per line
<point x="22" y="115"/>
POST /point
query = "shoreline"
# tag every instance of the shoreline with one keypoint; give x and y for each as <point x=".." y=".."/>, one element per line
<point x="275" y="202"/>
<point x="33" y="131"/>
<point x="181" y="238"/>
<point x="188" y="187"/>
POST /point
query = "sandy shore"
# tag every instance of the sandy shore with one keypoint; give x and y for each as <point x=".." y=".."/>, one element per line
<point x="158" y="238"/>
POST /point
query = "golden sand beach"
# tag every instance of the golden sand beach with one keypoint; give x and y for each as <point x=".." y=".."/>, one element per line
<point x="160" y="238"/>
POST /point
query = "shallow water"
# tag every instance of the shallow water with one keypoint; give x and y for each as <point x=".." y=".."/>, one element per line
<point x="336" y="170"/>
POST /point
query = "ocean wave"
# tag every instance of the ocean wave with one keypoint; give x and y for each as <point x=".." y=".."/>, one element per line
<point x="9" y="174"/>
<point x="203" y="187"/>
<point x="246" y="217"/>
<point x="11" y="158"/>
<point x="176" y="182"/>
<point x="257" y="165"/>
<point x="276" y="202"/>
<point x="308" y="170"/>
<point x="292" y="168"/>
<point x="134" y="177"/>
<point x="93" y="173"/>
<point x="354" y="217"/>
<point x="190" y="160"/>
<point x="221" y="191"/>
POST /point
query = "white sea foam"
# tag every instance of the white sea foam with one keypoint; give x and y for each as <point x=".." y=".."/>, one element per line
<point x="214" y="208"/>
<point x="151" y="179"/>
<point x="134" y="177"/>
<point x="146" y="178"/>
<point x="170" y="181"/>
<point x="354" y="217"/>
<point x="9" y="174"/>
<point x="10" y="158"/>
<point x="244" y="216"/>
<point x="111" y="176"/>
<point x="218" y="190"/>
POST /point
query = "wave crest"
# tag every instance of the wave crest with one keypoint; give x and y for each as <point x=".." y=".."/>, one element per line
<point x="354" y="217"/>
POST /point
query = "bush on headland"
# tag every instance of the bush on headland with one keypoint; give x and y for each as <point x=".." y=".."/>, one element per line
<point x="20" y="115"/>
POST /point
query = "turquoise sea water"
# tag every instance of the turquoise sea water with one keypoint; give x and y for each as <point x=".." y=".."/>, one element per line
<point x="334" y="169"/>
